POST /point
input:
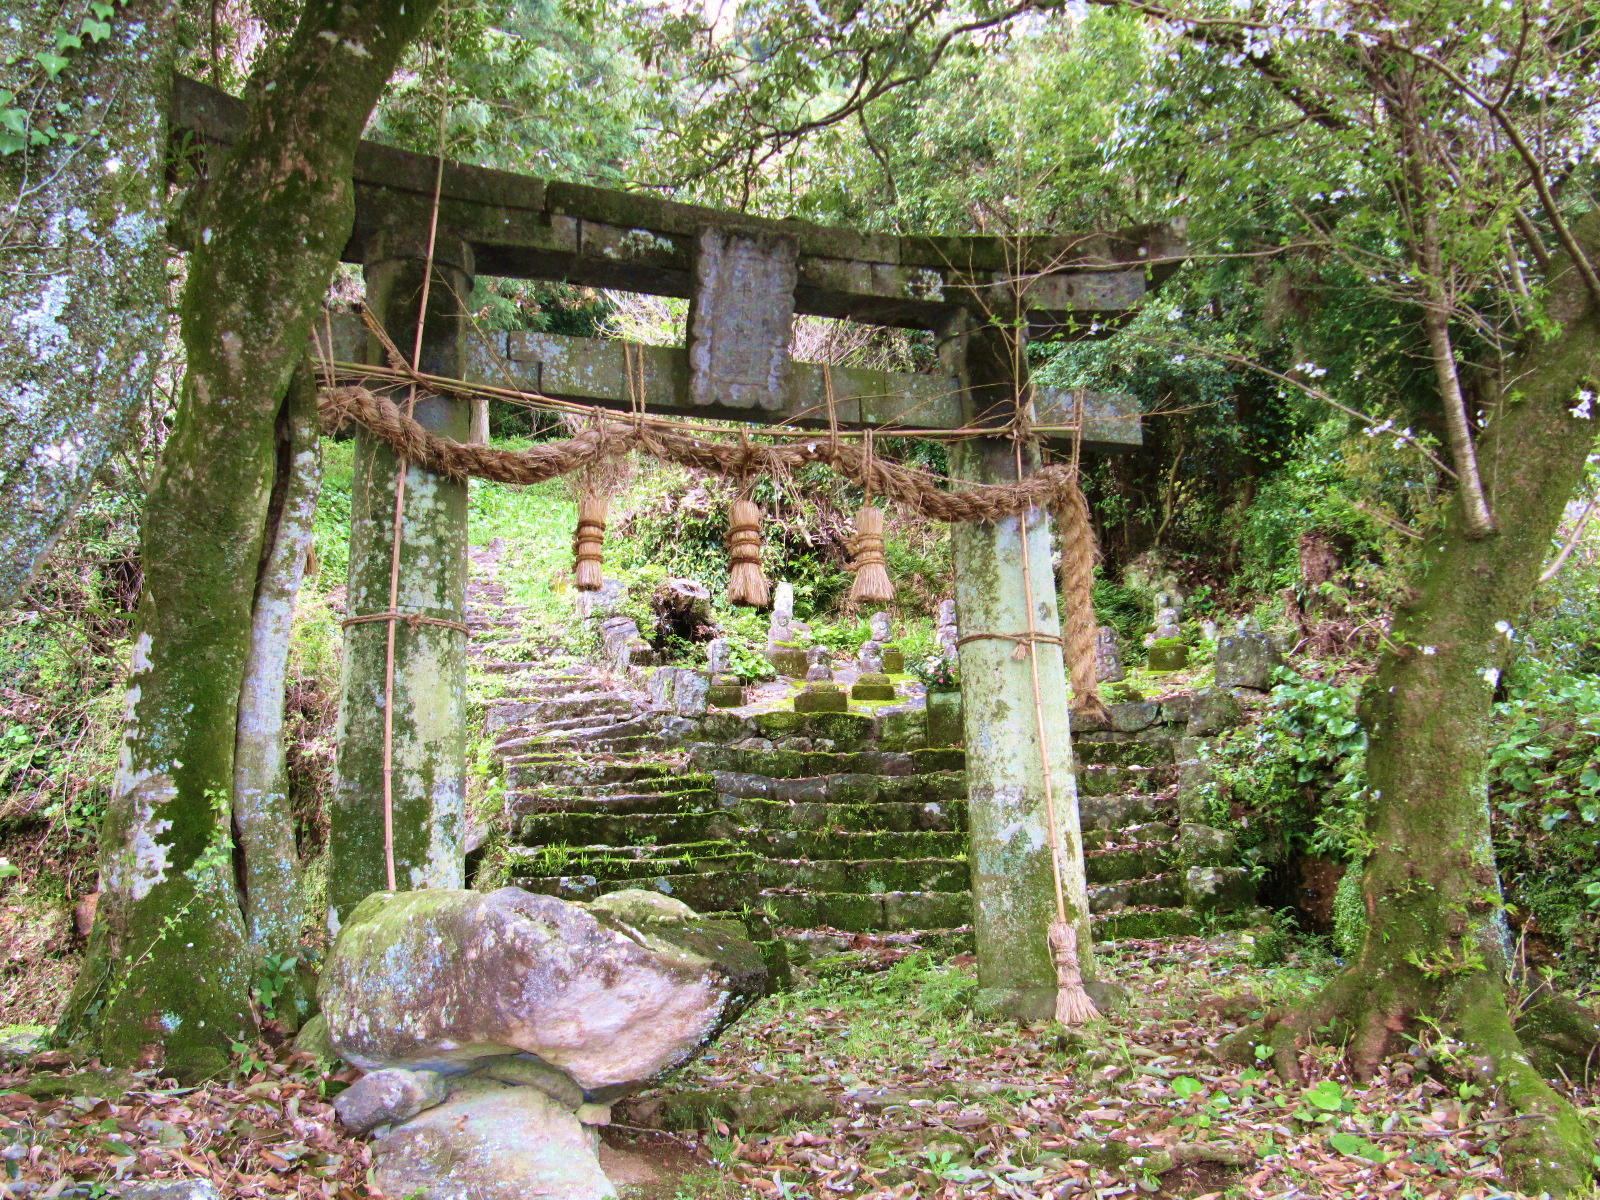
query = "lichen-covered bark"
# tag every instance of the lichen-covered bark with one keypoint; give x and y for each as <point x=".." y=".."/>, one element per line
<point x="1013" y="894"/>
<point x="167" y="976"/>
<point x="84" y="287"/>
<point x="429" y="723"/>
<point x="1433" y="945"/>
<point x="263" y="826"/>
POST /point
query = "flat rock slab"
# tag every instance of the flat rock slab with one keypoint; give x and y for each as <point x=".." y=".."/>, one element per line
<point x="612" y="993"/>
<point x="492" y="1141"/>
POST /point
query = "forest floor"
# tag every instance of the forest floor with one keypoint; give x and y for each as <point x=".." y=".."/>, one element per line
<point x="871" y="1084"/>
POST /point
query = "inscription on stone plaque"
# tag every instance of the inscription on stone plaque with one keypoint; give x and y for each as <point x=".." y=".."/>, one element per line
<point x="740" y="317"/>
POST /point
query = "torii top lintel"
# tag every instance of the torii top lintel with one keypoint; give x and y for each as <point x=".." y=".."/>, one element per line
<point x="523" y="227"/>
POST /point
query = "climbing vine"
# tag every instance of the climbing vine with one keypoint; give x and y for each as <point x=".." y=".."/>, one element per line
<point x="27" y="116"/>
<point x="1295" y="780"/>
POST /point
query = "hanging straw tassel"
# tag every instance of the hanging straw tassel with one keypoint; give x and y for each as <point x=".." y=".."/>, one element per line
<point x="589" y="542"/>
<point x="1073" y="1006"/>
<point x="872" y="585"/>
<point x="1078" y="555"/>
<point x="746" y="584"/>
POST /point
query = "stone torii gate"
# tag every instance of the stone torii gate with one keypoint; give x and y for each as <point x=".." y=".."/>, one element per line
<point x="746" y="278"/>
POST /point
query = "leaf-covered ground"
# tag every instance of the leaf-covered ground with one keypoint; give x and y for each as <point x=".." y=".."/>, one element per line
<point x="925" y="1102"/>
<point x="67" y="1130"/>
<point x="871" y="1084"/>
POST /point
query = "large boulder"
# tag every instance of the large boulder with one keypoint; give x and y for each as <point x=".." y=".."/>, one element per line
<point x="492" y="1141"/>
<point x="613" y="993"/>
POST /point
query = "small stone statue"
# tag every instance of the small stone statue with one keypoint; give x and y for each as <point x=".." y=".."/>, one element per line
<point x="717" y="657"/>
<point x="949" y="633"/>
<point x="820" y="665"/>
<point x="870" y="658"/>
<point x="779" y="628"/>
<point x="1169" y="617"/>
<point x="882" y="628"/>
<point x="1108" y="655"/>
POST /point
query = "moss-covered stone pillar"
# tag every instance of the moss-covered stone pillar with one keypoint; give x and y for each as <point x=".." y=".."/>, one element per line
<point x="429" y="724"/>
<point x="1013" y="893"/>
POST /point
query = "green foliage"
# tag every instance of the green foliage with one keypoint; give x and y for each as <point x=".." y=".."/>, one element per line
<point x="1125" y="608"/>
<point x="1297" y="778"/>
<point x="1356" y="491"/>
<point x="749" y="662"/>
<point x="523" y="88"/>
<point x="1545" y="804"/>
<point x="27" y="117"/>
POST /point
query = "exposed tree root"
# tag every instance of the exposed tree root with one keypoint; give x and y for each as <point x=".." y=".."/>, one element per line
<point x="1552" y="1148"/>
<point x="1562" y="1037"/>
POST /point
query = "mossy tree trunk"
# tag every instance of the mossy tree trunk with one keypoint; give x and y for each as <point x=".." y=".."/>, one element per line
<point x="1434" y="945"/>
<point x="263" y="826"/>
<point x="84" y="290"/>
<point x="169" y="968"/>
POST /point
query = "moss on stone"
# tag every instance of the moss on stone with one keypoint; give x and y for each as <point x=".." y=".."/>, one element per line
<point x="820" y="698"/>
<point x="1163" y="923"/>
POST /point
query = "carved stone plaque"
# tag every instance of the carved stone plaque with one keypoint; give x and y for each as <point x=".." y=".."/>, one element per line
<point x="740" y="317"/>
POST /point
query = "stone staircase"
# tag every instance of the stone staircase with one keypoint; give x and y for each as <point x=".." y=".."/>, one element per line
<point x="820" y="831"/>
<point x="806" y="827"/>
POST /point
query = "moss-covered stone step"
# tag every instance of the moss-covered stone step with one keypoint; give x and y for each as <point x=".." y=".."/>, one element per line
<point x="1119" y="812"/>
<point x="568" y="705"/>
<point x="606" y="743"/>
<point x="1157" y="832"/>
<point x="934" y="786"/>
<point x="526" y="732"/>
<point x="1123" y="750"/>
<point x="559" y="800"/>
<point x="854" y="911"/>
<point x="627" y="862"/>
<point x="1153" y="891"/>
<point x="536" y="770"/>
<point x="1099" y="779"/>
<point x="506" y="714"/>
<point x="835" y="844"/>
<point x="945" y="815"/>
<point x="703" y="892"/>
<point x="622" y="829"/>
<point x="667" y="779"/>
<point x="1135" y="862"/>
<point x="847" y="731"/>
<point x="1144" y="923"/>
<point x="799" y="764"/>
<point x="875" y="875"/>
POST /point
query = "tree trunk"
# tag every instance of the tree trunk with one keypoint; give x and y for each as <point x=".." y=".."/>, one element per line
<point x="1433" y="945"/>
<point x="263" y="827"/>
<point x="84" y="289"/>
<point x="168" y="973"/>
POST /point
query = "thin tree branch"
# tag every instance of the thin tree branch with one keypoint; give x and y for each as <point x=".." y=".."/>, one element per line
<point x="1571" y="543"/>
<point x="1536" y="173"/>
